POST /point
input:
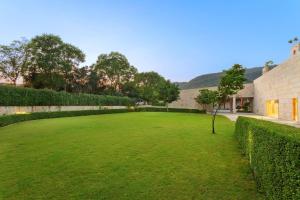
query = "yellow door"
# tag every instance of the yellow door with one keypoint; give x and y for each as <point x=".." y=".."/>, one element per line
<point x="272" y="108"/>
<point x="295" y="109"/>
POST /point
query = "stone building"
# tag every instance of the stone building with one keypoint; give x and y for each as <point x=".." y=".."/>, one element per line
<point x="275" y="93"/>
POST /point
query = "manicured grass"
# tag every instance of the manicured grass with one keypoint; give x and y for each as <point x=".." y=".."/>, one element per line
<point x="123" y="156"/>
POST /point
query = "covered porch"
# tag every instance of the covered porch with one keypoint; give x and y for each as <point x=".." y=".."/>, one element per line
<point x="236" y="104"/>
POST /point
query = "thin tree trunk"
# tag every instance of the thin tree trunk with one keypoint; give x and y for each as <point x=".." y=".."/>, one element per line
<point x="167" y="104"/>
<point x="214" y="113"/>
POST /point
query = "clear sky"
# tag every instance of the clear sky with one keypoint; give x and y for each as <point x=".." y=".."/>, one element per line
<point x="178" y="39"/>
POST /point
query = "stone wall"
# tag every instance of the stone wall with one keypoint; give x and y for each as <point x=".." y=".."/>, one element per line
<point x="9" y="110"/>
<point x="281" y="83"/>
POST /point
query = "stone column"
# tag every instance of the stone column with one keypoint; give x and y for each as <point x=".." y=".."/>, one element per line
<point x="234" y="104"/>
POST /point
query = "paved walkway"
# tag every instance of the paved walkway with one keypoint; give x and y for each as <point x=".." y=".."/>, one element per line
<point x="233" y="117"/>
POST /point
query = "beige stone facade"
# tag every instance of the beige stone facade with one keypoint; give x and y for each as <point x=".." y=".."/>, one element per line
<point x="276" y="93"/>
<point x="282" y="84"/>
<point x="187" y="98"/>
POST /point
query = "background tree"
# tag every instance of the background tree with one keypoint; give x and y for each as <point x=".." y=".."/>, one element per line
<point x="131" y="89"/>
<point x="114" y="71"/>
<point x="232" y="81"/>
<point x="169" y="92"/>
<point x="149" y="84"/>
<point x="79" y="80"/>
<point x="51" y="61"/>
<point x="13" y="60"/>
<point x="71" y="57"/>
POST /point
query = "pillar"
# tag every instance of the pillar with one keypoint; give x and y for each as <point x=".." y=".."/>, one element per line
<point x="234" y="104"/>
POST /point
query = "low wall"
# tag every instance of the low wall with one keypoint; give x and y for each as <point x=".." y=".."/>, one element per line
<point x="10" y="110"/>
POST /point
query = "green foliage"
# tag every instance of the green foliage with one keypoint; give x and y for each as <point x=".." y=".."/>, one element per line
<point x="232" y="81"/>
<point x="17" y="96"/>
<point x="51" y="62"/>
<point x="207" y="97"/>
<point x="169" y="92"/>
<point x="273" y="151"/>
<point x="114" y="70"/>
<point x="149" y="84"/>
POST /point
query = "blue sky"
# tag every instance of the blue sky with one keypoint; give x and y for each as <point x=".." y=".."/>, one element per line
<point x="178" y="39"/>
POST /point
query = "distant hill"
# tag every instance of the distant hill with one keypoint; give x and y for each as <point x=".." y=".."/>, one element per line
<point x="209" y="80"/>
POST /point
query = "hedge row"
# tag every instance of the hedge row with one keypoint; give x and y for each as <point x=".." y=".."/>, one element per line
<point x="163" y="109"/>
<point x="11" y="119"/>
<point x="18" y="96"/>
<point x="274" y="154"/>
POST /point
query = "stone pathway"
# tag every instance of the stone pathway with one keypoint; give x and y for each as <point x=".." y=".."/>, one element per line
<point x="233" y="117"/>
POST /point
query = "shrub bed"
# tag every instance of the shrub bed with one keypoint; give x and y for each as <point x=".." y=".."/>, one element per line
<point x="11" y="119"/>
<point x="273" y="151"/>
<point x="18" y="96"/>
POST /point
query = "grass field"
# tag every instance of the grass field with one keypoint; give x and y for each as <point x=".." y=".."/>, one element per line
<point x="123" y="156"/>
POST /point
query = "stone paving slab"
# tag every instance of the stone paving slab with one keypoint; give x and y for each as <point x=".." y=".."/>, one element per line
<point x="233" y="117"/>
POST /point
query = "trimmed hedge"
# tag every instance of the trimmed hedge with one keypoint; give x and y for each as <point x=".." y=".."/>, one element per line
<point x="18" y="96"/>
<point x="11" y="119"/>
<point x="164" y="109"/>
<point x="274" y="154"/>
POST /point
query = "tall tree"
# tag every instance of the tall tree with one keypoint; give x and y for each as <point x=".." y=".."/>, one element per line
<point x="13" y="60"/>
<point x="79" y="80"/>
<point x="169" y="92"/>
<point x="51" y="62"/>
<point x="114" y="70"/>
<point x="71" y="57"/>
<point x="232" y="81"/>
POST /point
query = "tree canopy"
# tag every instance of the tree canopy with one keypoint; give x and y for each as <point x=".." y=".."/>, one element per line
<point x="51" y="62"/>
<point x="13" y="60"/>
<point x="46" y="61"/>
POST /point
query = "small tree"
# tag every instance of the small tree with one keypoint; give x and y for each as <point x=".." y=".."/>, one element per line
<point x="209" y="98"/>
<point x="13" y="59"/>
<point x="232" y="81"/>
<point x="169" y="92"/>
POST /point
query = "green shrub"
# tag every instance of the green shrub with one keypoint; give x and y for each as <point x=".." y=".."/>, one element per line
<point x="11" y="119"/>
<point x="273" y="151"/>
<point x="18" y="96"/>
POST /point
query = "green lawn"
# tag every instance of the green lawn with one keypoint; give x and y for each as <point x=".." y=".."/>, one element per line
<point x="123" y="156"/>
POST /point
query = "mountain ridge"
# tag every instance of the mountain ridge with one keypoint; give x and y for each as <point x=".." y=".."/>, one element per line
<point x="213" y="79"/>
